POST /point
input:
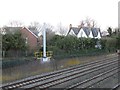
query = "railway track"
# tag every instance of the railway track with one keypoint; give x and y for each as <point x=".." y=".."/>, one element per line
<point x="72" y="77"/>
<point x="86" y="84"/>
<point x="57" y="78"/>
<point x="116" y="87"/>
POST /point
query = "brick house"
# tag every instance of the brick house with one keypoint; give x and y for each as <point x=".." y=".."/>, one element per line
<point x="31" y="38"/>
<point x="29" y="34"/>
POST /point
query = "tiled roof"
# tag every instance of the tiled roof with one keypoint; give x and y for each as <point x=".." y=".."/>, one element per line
<point x="34" y="30"/>
<point x="86" y="30"/>
<point x="76" y="30"/>
<point x="31" y="32"/>
<point x="14" y="29"/>
<point x="95" y="32"/>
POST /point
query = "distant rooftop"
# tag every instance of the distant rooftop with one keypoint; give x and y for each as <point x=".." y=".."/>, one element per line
<point x="14" y="29"/>
<point x="86" y="29"/>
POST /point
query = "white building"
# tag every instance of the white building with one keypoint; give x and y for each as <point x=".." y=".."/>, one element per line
<point x="84" y="31"/>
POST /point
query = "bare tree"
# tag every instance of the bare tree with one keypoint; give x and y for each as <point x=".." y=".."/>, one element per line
<point x="15" y="23"/>
<point x="61" y="29"/>
<point x="47" y="26"/>
<point x="49" y="30"/>
<point x="35" y="25"/>
<point x="81" y="24"/>
<point x="93" y="23"/>
<point x="88" y="22"/>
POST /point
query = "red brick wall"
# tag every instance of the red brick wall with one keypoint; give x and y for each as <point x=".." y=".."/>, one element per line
<point x="31" y="41"/>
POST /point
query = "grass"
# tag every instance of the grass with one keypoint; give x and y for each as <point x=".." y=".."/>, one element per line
<point x="16" y="73"/>
<point x="72" y="62"/>
<point x="7" y="78"/>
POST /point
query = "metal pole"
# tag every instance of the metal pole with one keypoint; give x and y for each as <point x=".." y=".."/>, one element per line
<point x="44" y="42"/>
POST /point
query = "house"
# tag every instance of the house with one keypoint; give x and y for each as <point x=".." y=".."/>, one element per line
<point x="29" y="34"/>
<point x="84" y="31"/>
<point x="32" y="40"/>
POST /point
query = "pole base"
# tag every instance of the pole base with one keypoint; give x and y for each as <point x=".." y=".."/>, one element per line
<point x="45" y="59"/>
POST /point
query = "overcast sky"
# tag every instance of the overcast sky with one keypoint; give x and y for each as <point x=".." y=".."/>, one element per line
<point x="104" y="12"/>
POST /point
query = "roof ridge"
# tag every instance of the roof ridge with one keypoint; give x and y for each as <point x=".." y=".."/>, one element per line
<point x="31" y="32"/>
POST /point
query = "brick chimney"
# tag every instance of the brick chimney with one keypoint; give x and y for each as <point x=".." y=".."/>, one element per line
<point x="70" y="26"/>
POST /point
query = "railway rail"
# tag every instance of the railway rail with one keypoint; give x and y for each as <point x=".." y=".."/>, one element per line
<point x="56" y="78"/>
<point x="116" y="87"/>
<point x="70" y="78"/>
<point x="89" y="82"/>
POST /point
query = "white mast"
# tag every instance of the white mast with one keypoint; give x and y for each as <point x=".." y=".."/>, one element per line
<point x="44" y="43"/>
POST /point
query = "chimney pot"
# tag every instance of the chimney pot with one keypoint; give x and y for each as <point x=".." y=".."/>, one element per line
<point x="70" y="26"/>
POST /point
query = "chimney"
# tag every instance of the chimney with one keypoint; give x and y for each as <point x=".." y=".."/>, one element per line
<point x="93" y="24"/>
<point x="70" y="26"/>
